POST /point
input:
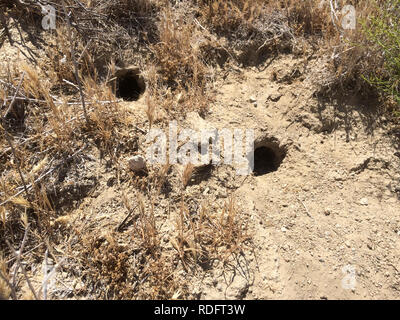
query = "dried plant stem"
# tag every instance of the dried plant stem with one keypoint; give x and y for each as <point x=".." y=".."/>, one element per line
<point x="13" y="295"/>
<point x="44" y="285"/>
<point x="9" y="140"/>
<point x="18" y="165"/>
<point x="15" y="95"/>
<point x="21" y="266"/>
<point x="18" y="255"/>
<point x="75" y="63"/>
<point x="119" y="228"/>
<point x="5" y="27"/>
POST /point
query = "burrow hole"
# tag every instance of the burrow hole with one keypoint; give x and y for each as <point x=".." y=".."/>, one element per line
<point x="267" y="158"/>
<point x="130" y="85"/>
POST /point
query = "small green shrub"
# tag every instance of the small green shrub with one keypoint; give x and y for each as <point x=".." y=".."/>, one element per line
<point x="382" y="31"/>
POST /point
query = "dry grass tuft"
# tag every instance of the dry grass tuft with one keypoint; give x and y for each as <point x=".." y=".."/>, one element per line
<point x="5" y="290"/>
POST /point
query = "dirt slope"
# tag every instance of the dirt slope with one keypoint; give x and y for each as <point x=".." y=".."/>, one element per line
<point x="330" y="204"/>
<point x="333" y="203"/>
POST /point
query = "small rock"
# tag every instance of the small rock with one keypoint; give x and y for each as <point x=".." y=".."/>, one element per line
<point x="180" y="98"/>
<point x="337" y="176"/>
<point x="137" y="163"/>
<point x="275" y="97"/>
<point x="327" y="211"/>
<point x="64" y="59"/>
<point x="78" y="286"/>
<point x="283" y="229"/>
<point x="111" y="181"/>
<point x="238" y="288"/>
<point x="252" y="99"/>
<point x="222" y="194"/>
<point x="364" y="201"/>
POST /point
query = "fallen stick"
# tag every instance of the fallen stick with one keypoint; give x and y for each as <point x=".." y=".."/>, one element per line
<point x="15" y="95"/>
<point x="308" y="212"/>
<point x="125" y="219"/>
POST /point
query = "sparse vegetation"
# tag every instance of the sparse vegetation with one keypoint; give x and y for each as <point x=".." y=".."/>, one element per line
<point x="382" y="30"/>
<point x="62" y="127"/>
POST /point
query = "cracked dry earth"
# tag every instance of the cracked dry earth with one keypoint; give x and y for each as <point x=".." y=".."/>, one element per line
<point x="325" y="224"/>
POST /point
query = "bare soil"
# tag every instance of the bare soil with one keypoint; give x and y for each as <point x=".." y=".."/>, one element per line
<point x="331" y="203"/>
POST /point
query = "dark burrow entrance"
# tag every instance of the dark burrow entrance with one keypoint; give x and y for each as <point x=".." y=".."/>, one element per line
<point x="130" y="85"/>
<point x="264" y="161"/>
<point x="268" y="156"/>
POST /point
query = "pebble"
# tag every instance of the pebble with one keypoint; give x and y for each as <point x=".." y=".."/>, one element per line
<point x="364" y="201"/>
<point x="137" y="163"/>
<point x="275" y="97"/>
<point x="252" y="99"/>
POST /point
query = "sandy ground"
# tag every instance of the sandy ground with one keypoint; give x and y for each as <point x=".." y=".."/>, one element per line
<point x="325" y="224"/>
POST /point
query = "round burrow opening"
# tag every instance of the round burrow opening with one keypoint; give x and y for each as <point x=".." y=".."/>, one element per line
<point x="130" y="84"/>
<point x="268" y="156"/>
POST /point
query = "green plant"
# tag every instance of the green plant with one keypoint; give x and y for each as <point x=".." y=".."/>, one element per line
<point x="382" y="31"/>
